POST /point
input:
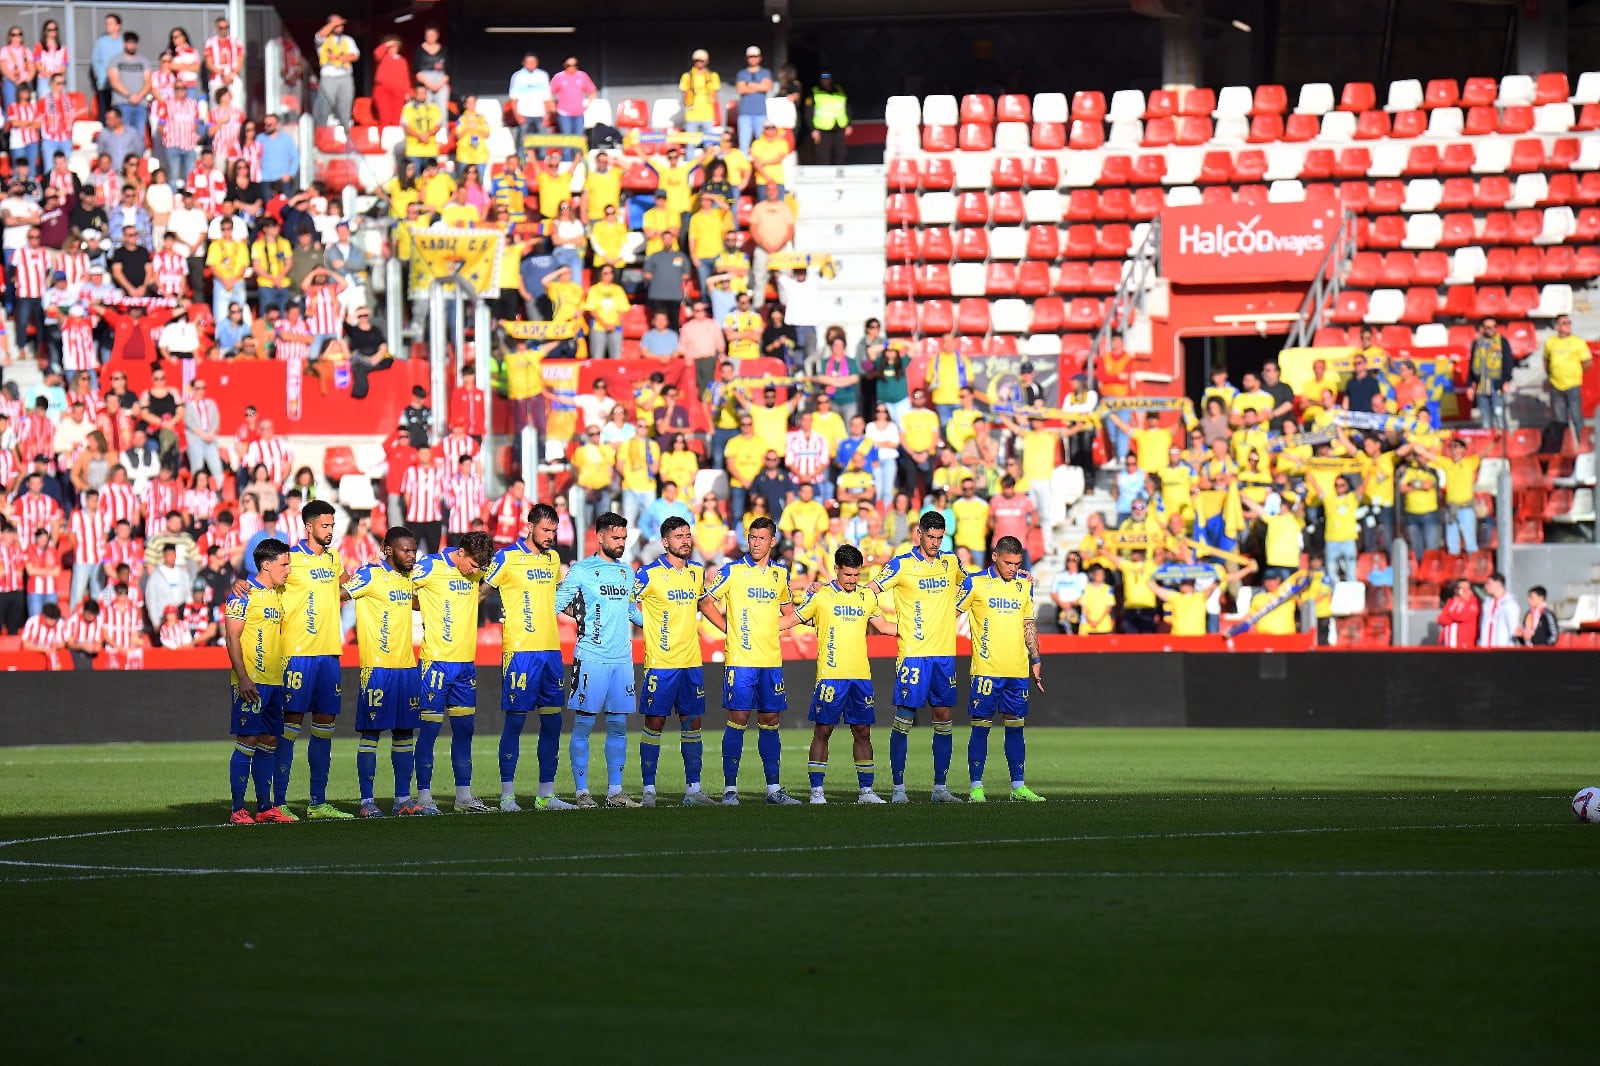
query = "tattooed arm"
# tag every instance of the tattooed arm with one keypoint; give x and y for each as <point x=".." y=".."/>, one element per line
<point x="1030" y="639"/>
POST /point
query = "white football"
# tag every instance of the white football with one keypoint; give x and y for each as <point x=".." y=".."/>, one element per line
<point x="1586" y="804"/>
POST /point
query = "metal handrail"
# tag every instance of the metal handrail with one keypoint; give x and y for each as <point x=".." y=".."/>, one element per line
<point x="1327" y="285"/>
<point x="1138" y="270"/>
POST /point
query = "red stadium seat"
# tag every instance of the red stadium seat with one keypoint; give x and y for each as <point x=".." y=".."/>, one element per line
<point x="1116" y="170"/>
<point x="1460" y="301"/>
<point x="1491" y="301"/>
<point x="899" y="281"/>
<point x="1387" y="231"/>
<point x="1033" y="278"/>
<point x="938" y="318"/>
<point x="1458" y="231"/>
<point x="1249" y="166"/>
<point x="1407" y="124"/>
<point x="975" y="137"/>
<point x="1014" y="107"/>
<point x="1481" y="120"/>
<point x="1006" y="173"/>
<point x="1265" y="129"/>
<point x="1300" y="128"/>
<point x="972" y="245"/>
<point x="1432" y="268"/>
<point x="1517" y="119"/>
<point x="366" y="139"/>
<point x="938" y="245"/>
<point x="1115" y="241"/>
<point x="1422" y="305"/>
<point x="1085" y="136"/>
<point x="1149" y="169"/>
<point x="1587" y="263"/>
<point x="1588" y="119"/>
<point x="1563" y="153"/>
<point x="337" y="174"/>
<point x="633" y="115"/>
<point x="900" y="245"/>
<point x="1082" y="205"/>
<point x="1193" y="130"/>
<point x="1040" y="172"/>
<point x="1088" y="106"/>
<point x="1562" y="190"/>
<point x="1373" y="126"/>
<point x="1527" y="156"/>
<point x="1006" y="209"/>
<point x="1049" y="314"/>
<point x="1493" y="192"/>
<point x="972" y="317"/>
<point x="1559" y="264"/>
<point x="900" y="317"/>
<point x="1366" y="270"/>
<point x="1147" y="204"/>
<point x="1550" y="89"/>
<point x="938" y="175"/>
<point x="938" y="138"/>
<point x="1254" y="195"/>
<point x="1197" y="103"/>
<point x="1328" y="337"/>
<point x="1588" y="225"/>
<point x="1105" y="275"/>
<point x="1480" y="92"/>
<point x="972" y="208"/>
<point x="1217" y="196"/>
<point x="1523" y="337"/>
<point x="1270" y="99"/>
<point x="901" y="175"/>
<point x="1422" y="160"/>
<point x="1318" y="165"/>
<point x="1397" y="269"/>
<point x="1358" y="96"/>
<point x="1044" y="242"/>
<point x="1114" y="205"/>
<point x="1387" y="195"/>
<point x="1441" y="92"/>
<point x="933" y="279"/>
<point x="1355" y="196"/>
<point x="1526" y="225"/>
<point x="979" y="109"/>
<point x="1159" y="132"/>
<point x="1080" y="242"/>
<point x="1325" y="193"/>
<point x="1085" y="313"/>
<point x="1521" y="300"/>
<point x="1349" y="309"/>
<point x="1353" y="163"/>
<point x="1216" y="168"/>
<point x="1498" y="264"/>
<point x="1457" y="194"/>
<point x="1001" y="346"/>
<point x="329" y="140"/>
<point x="1457" y="159"/>
<point x="1530" y="260"/>
<point x="1161" y="103"/>
<point x="901" y="209"/>
<point x="1073" y="278"/>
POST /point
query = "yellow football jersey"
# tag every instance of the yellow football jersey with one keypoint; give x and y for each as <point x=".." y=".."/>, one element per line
<point x="752" y="598"/>
<point x="996" y="611"/>
<point x="527" y="580"/>
<point x="311" y="602"/>
<point x="667" y="599"/>
<point x="925" y="589"/>
<point x="841" y="619"/>
<point x="449" y="602"/>
<point x="382" y="596"/>
<point x="261" y="640"/>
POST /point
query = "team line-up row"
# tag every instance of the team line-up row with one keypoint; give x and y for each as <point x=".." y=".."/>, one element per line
<point x="282" y="634"/>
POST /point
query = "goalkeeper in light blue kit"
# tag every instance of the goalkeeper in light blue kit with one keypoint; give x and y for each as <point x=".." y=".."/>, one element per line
<point x="598" y="592"/>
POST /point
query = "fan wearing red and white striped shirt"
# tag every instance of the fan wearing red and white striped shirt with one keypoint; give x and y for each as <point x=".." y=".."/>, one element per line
<point x="466" y="497"/>
<point x="23" y="119"/>
<point x="423" y="489"/>
<point x="160" y="498"/>
<point x="58" y="116"/>
<point x="224" y="58"/>
<point x="293" y="335"/>
<point x="457" y="445"/>
<point x="91" y="529"/>
<point x="32" y="266"/>
<point x="174" y="634"/>
<point x="208" y="185"/>
<point x="322" y="307"/>
<point x="509" y="516"/>
<point x="269" y="450"/>
<point x="75" y="265"/>
<point x="43" y="632"/>
<point x="179" y="121"/>
<point x="83" y="631"/>
<point x="291" y="527"/>
<point x="119" y="500"/>
<point x="35" y="510"/>
<point x="122" y="622"/>
<point x="250" y="152"/>
<point x="122" y="549"/>
<point x="13" y="565"/>
<point x="77" y="342"/>
<point x="172" y="271"/>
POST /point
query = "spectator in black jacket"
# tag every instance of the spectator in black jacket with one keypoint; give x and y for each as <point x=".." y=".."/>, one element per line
<point x="1539" y="624"/>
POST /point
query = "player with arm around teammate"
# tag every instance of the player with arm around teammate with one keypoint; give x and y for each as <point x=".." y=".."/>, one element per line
<point x="447" y="587"/>
<point x="926" y="583"/>
<point x="1005" y="658"/>
<point x="252" y="631"/>
<point x="666" y="607"/>
<point x="391" y="685"/>
<point x="598" y="592"/>
<point x="842" y="611"/>
<point x="749" y="600"/>
<point x="312" y="641"/>
<point x="527" y="572"/>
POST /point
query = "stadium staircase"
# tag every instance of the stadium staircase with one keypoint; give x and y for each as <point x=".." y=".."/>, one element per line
<point x="840" y="212"/>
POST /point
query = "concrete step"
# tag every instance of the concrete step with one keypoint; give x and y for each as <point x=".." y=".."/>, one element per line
<point x="853" y="200"/>
<point x="857" y="174"/>
<point x="850" y="307"/>
<point x="839" y="236"/>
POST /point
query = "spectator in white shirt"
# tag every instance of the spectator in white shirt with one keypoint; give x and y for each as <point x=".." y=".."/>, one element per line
<point x="1500" y="618"/>
<point x="530" y="95"/>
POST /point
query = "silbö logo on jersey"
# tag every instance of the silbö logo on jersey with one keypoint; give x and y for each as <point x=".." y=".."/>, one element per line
<point x="761" y="594"/>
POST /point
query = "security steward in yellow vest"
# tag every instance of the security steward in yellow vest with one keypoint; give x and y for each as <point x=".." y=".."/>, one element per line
<point x="830" y="121"/>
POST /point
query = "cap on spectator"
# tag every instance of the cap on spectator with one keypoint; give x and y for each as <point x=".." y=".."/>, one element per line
<point x="752" y="51"/>
<point x="60" y="275"/>
<point x="458" y="423"/>
<point x="701" y="53"/>
<point x="1079" y="379"/>
<point x="824" y="74"/>
<point x="1026" y="367"/>
<point x="171" y="609"/>
<point x="419" y="392"/>
<point x="77" y="311"/>
<point x="41" y="458"/>
<point x="96" y="268"/>
<point x="661" y="194"/>
<point x="769" y="125"/>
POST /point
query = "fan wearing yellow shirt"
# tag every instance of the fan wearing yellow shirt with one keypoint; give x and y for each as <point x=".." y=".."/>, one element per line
<point x="699" y="86"/>
<point x="666" y="607"/>
<point x="606" y="240"/>
<point x="1321" y="380"/>
<point x="1177" y="483"/>
<point x="1319" y="593"/>
<point x="605" y="303"/>
<point x="1566" y="359"/>
<point x="421" y="121"/>
<point x="804" y="518"/>
<point x="948" y="373"/>
<point x="253" y="632"/>
<point x="437" y="187"/>
<point x="926" y="583"/>
<point x="1460" y="485"/>
<point x="447" y="589"/>
<point x="1342" y="526"/>
<point x="639" y="467"/>
<point x="1186" y="608"/>
<point x="391" y="688"/>
<point x="972" y="525"/>
<point x="270" y="257"/>
<point x="770" y="417"/>
<point x="1098" y="607"/>
<point x="842" y="612"/>
<point x="828" y="425"/>
<point x="998" y="603"/>
<point x="526" y="573"/>
<point x="672" y="175"/>
<point x="554" y="185"/>
<point x="1284" y="619"/>
<point x="472" y="135"/>
<point x="602" y="188"/>
<point x="657" y="222"/>
<point x="706" y="229"/>
<point x="1138" y="602"/>
<point x="1151" y="442"/>
<point x="742" y="457"/>
<point x="749" y="600"/>
<point x="564" y="294"/>
<point x="767" y="154"/>
<point x="1419" y="482"/>
<point x="458" y="213"/>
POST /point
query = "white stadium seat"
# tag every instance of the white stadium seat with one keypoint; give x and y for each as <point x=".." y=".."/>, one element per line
<point x="1234" y="101"/>
<point x="1008" y="242"/>
<point x="1445" y="122"/>
<point x="1559" y="224"/>
<point x="1516" y="90"/>
<point x="967" y="279"/>
<point x="937" y="208"/>
<point x="1551" y="119"/>
<point x="780" y="109"/>
<point x="1554" y="300"/>
<point x="1082" y="170"/>
<point x="1125" y="104"/>
<point x="1492" y="156"/>
<point x="1588" y="154"/>
<point x="1423" y="231"/>
<point x="1431" y="335"/>
<point x="1126" y="133"/>
<point x="1385" y="307"/>
<point x="1389" y="159"/>
<point x="1052" y="107"/>
<point x="1184" y="196"/>
<point x="598" y="113"/>
<point x="1404" y="95"/>
<point x="940" y="111"/>
<point x="1042" y="344"/>
<point x="1588" y="91"/>
<point x="1231" y="130"/>
<point x="1012" y="137"/>
<point x="1042" y="206"/>
<point x="1349" y="598"/>
<point x="1337" y="126"/>
<point x="1286" y="191"/>
<point x="1316" y="98"/>
<point x="1285" y="161"/>
<point x="492" y="110"/>
<point x="1528" y="192"/>
<point x="904" y="111"/>
<point x="1010" y="316"/>
<point x="1183" y="166"/>
<point x="1422" y="194"/>
<point x="1467" y="266"/>
<point x="973" y="170"/>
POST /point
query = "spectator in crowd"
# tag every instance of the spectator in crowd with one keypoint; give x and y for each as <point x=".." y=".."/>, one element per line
<point x="391" y="81"/>
<point x="337" y="53"/>
<point x="754" y="85"/>
<point x="1458" y="618"/>
<point x="280" y="157"/>
<point x="1500" y="620"/>
<point x="571" y="93"/>
<point x="431" y="61"/>
<point x="1566" y="359"/>
<point x="829" y="118"/>
<point x="1490" y="369"/>
<point x="530" y="96"/>
<point x="106" y="48"/>
<point x="700" y="86"/>
<point x="1539" y="628"/>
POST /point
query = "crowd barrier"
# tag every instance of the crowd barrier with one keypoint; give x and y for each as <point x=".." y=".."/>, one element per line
<point x="1531" y="689"/>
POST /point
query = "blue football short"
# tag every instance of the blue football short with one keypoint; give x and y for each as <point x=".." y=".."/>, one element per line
<point x="530" y="680"/>
<point x="311" y="684"/>
<point x="391" y="698"/>
<point x="925" y="681"/>
<point x="264" y="718"/>
<point x="446" y="685"/>
<point x="602" y="688"/>
<point x="680" y="691"/>
<point x="846" y="698"/>
<point x="993" y="696"/>
<point x="753" y="688"/>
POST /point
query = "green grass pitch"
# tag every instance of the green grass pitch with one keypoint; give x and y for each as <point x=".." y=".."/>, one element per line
<point x="1185" y="896"/>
